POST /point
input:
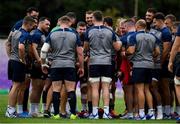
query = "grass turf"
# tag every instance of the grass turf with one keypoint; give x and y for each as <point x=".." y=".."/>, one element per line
<point x="119" y="109"/>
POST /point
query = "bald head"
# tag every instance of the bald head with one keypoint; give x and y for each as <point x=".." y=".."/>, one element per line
<point x="141" y="25"/>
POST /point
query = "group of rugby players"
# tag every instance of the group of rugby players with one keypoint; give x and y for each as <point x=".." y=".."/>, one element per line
<point x="143" y="54"/>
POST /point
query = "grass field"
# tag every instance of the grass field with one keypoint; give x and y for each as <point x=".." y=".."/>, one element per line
<point x="119" y="108"/>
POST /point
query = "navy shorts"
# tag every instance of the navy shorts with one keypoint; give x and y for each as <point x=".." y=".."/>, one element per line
<point x="100" y="70"/>
<point x="156" y="74"/>
<point x="61" y="74"/>
<point x="16" y="71"/>
<point x="176" y="67"/>
<point x="36" y="72"/>
<point x="141" y="75"/>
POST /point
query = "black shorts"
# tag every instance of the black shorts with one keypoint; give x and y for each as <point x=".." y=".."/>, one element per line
<point x="36" y="72"/>
<point x="141" y="75"/>
<point x="61" y="74"/>
<point x="100" y="71"/>
<point x="156" y="74"/>
<point x="176" y="67"/>
<point x="16" y="71"/>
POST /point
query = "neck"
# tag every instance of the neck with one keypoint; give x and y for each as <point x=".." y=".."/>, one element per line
<point x="141" y="29"/>
<point x="64" y="26"/>
<point x="98" y="23"/>
<point x="132" y="30"/>
<point x="162" y="25"/>
<point x="40" y="29"/>
<point x="24" y="27"/>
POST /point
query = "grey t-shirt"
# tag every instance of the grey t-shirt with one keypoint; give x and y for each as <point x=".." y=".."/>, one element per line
<point x="100" y="39"/>
<point x="19" y="37"/>
<point x="63" y="43"/>
<point x="145" y="44"/>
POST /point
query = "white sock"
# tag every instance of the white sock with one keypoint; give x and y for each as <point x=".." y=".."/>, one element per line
<point x="68" y="108"/>
<point x="167" y="109"/>
<point x="95" y="110"/>
<point x="150" y="111"/>
<point x="19" y="109"/>
<point x="84" y="107"/>
<point x="141" y="113"/>
<point x="52" y="108"/>
<point x="106" y="109"/>
<point x="32" y="108"/>
<point x="178" y="110"/>
<point x="10" y="109"/>
<point x="36" y="107"/>
<point x="159" y="109"/>
<point x="130" y="114"/>
<point x="163" y="109"/>
<point x="172" y="110"/>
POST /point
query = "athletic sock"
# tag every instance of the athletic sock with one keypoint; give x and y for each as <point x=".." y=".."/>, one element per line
<point x="95" y="110"/>
<point x="32" y="108"/>
<point x="10" y="109"/>
<point x="72" y="101"/>
<point x="37" y="107"/>
<point x="56" y="102"/>
<point x="19" y="109"/>
<point x="167" y="109"/>
<point x="111" y="105"/>
<point x="159" y="109"/>
<point x="141" y="113"/>
<point x="44" y="96"/>
<point x="106" y="109"/>
<point x="90" y="106"/>
<point x="25" y="100"/>
<point x="172" y="110"/>
<point x="178" y="110"/>
<point x="84" y="102"/>
<point x="150" y="111"/>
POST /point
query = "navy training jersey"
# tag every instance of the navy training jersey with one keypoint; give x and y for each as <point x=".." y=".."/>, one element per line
<point x="100" y="39"/>
<point x="164" y="35"/>
<point x="178" y="31"/>
<point x="63" y="43"/>
<point x="38" y="37"/>
<point x="17" y="26"/>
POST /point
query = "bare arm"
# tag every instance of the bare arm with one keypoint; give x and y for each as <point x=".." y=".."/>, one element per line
<point x="8" y="44"/>
<point x="156" y="52"/>
<point x="86" y="46"/>
<point x="175" y="48"/>
<point x="81" y="60"/>
<point x="22" y="53"/>
<point x="130" y="50"/>
<point x="35" y="52"/>
<point x="165" y="52"/>
<point x="117" y="45"/>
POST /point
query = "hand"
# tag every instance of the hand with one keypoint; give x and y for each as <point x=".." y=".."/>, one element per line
<point x="39" y="61"/>
<point x="123" y="53"/>
<point x="44" y="68"/>
<point x="170" y="67"/>
<point x="78" y="64"/>
<point x="22" y="61"/>
<point x="81" y="72"/>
